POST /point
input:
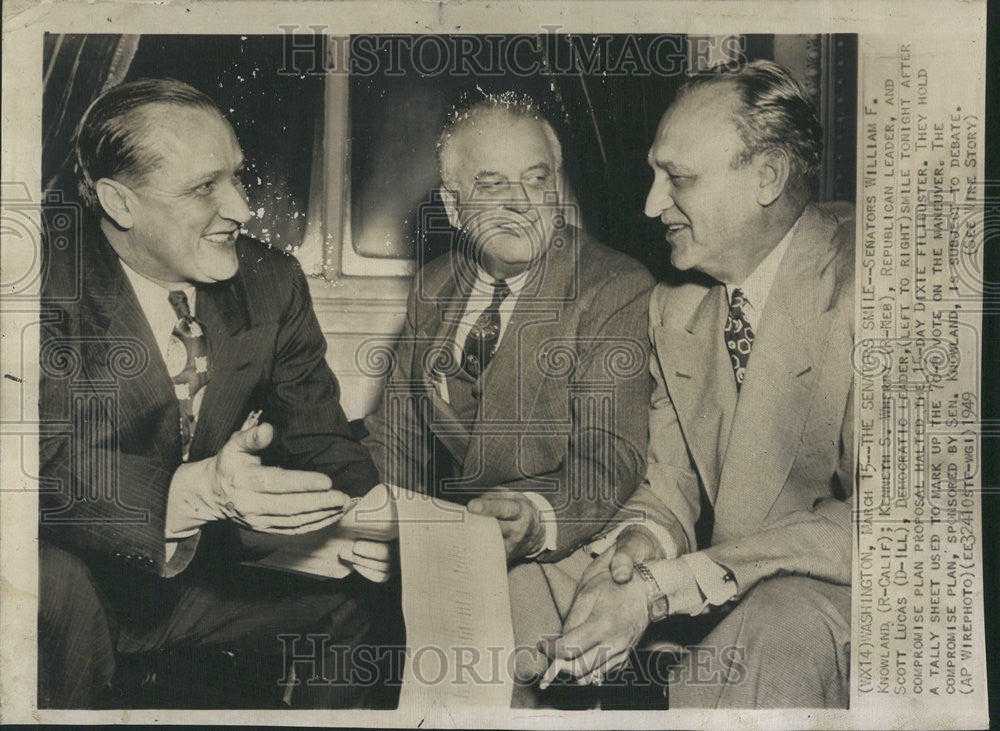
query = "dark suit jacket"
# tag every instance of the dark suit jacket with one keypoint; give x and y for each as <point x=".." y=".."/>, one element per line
<point x="559" y="401"/>
<point x="776" y="465"/>
<point x="111" y="442"/>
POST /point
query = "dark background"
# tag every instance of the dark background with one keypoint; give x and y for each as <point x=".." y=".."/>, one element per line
<point x="275" y="102"/>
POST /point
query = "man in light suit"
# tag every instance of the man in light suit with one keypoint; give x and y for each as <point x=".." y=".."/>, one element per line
<point x="749" y="486"/>
<point x="165" y="328"/>
<point x="519" y="371"/>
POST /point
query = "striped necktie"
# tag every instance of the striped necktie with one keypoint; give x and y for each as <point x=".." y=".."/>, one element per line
<point x="481" y="342"/>
<point x="191" y="371"/>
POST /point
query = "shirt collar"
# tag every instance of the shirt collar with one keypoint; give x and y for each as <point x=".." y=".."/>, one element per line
<point x="150" y="290"/>
<point x="757" y="286"/>
<point x="483" y="284"/>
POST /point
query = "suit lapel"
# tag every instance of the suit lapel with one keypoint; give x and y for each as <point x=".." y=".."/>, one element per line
<point x="512" y="383"/>
<point x="436" y="340"/>
<point x="146" y="405"/>
<point x="699" y="376"/>
<point x="779" y="386"/>
<point x="223" y="311"/>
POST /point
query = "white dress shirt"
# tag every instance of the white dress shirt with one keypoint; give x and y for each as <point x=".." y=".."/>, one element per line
<point x="757" y="286"/>
<point x="155" y="304"/>
<point x="479" y="299"/>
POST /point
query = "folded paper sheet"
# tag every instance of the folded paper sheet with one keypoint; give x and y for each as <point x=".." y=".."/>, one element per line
<point x="459" y="636"/>
<point x="455" y="598"/>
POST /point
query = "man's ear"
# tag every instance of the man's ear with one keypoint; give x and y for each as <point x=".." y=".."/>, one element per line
<point x="116" y="200"/>
<point x="450" y="199"/>
<point x="775" y="168"/>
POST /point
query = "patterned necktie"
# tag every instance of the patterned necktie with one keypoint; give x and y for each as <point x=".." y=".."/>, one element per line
<point x="481" y="342"/>
<point x="187" y="363"/>
<point x="739" y="335"/>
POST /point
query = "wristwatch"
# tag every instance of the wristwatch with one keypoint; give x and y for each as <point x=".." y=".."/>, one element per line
<point x="657" y="604"/>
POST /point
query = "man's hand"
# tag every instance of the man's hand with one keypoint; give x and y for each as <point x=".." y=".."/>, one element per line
<point x="233" y="485"/>
<point x="372" y="559"/>
<point x="520" y="521"/>
<point x="609" y="612"/>
<point x="635" y="544"/>
<point x="604" y="623"/>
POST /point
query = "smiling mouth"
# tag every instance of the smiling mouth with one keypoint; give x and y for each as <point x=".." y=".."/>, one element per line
<point x="222" y="238"/>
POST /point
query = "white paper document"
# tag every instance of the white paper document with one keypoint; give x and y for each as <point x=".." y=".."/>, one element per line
<point x="455" y="595"/>
<point x="326" y="553"/>
<point x="456" y="605"/>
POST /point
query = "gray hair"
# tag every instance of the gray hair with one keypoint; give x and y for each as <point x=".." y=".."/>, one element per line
<point x="507" y="105"/>
<point x="774" y="112"/>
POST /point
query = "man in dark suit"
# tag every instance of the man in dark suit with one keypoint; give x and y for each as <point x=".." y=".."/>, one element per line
<point x="164" y="329"/>
<point x="749" y="487"/>
<point x="521" y="364"/>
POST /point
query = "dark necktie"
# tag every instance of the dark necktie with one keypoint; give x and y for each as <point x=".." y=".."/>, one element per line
<point x="191" y="374"/>
<point x="739" y="335"/>
<point x="481" y="342"/>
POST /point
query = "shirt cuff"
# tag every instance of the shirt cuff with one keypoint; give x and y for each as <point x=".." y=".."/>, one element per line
<point x="676" y="579"/>
<point x="179" y="545"/>
<point x="547" y="516"/>
<point x="716" y="583"/>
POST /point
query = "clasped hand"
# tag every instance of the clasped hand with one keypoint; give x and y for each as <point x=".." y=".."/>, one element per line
<point x="608" y="615"/>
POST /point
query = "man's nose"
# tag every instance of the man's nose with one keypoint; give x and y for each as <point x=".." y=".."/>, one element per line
<point x="659" y="198"/>
<point x="515" y="198"/>
<point x="233" y="206"/>
<point x="518" y="205"/>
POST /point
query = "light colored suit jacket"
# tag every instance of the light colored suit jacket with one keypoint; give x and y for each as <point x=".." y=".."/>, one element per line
<point x="557" y="403"/>
<point x="776" y="465"/>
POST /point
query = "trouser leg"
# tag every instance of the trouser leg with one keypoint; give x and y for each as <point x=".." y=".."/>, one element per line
<point x="785" y="645"/>
<point x="317" y="627"/>
<point x="76" y="658"/>
<point x="540" y="598"/>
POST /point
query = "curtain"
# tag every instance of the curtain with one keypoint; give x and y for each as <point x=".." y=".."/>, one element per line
<point x="77" y="69"/>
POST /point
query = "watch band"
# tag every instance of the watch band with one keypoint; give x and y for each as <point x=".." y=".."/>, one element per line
<point x="657" y="604"/>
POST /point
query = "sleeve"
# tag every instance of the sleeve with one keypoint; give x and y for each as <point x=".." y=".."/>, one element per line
<point x="95" y="498"/>
<point x="302" y="400"/>
<point x="604" y="461"/>
<point x="668" y="501"/>
<point x="815" y="542"/>
<point x="395" y="433"/>
<point x="716" y="585"/>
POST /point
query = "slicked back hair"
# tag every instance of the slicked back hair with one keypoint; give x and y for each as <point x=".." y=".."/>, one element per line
<point x="773" y="112"/>
<point x="111" y="138"/>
